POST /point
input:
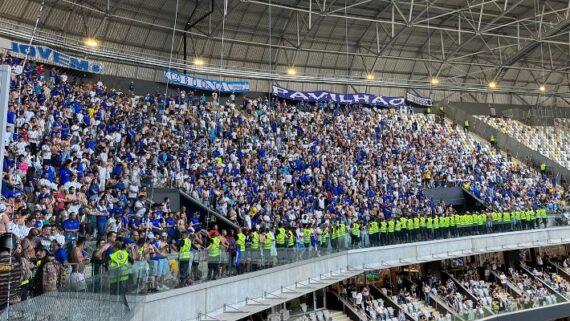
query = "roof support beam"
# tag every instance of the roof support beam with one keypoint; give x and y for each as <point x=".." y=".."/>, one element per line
<point x="531" y="46"/>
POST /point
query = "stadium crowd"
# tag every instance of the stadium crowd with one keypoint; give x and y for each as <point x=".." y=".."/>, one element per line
<point x="80" y="157"/>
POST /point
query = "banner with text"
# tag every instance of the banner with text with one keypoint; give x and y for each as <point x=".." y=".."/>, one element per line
<point x="344" y="99"/>
<point x="50" y="56"/>
<point x="418" y="100"/>
<point x="181" y="79"/>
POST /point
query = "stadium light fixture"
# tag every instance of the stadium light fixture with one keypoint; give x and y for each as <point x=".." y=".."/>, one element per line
<point x="434" y="81"/>
<point x="492" y="84"/>
<point x="542" y="88"/>
<point x="370" y="76"/>
<point x="91" y="42"/>
<point x="199" y="61"/>
<point x="291" y="71"/>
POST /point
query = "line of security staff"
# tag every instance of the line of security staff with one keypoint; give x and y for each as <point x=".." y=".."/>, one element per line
<point x="309" y="240"/>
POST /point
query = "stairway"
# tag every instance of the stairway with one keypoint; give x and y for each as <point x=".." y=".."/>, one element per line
<point x="338" y="316"/>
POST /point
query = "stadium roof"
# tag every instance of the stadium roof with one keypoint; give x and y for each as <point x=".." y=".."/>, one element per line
<point x="520" y="44"/>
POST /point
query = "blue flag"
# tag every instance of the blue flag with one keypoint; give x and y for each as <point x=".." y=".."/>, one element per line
<point x="238" y="255"/>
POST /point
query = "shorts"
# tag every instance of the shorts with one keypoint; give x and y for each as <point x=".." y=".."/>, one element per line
<point x="153" y="267"/>
<point x="162" y="268"/>
<point x="77" y="281"/>
<point x="140" y="269"/>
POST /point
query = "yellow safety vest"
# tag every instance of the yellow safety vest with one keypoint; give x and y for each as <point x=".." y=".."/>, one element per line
<point x="342" y="230"/>
<point x="241" y="241"/>
<point x="254" y="241"/>
<point x="119" y="261"/>
<point x="214" y="248"/>
<point x="383" y="227"/>
<point x="291" y="239"/>
<point x="356" y="229"/>
<point x="280" y="238"/>
<point x="268" y="241"/>
<point x="307" y="235"/>
<point x="184" y="254"/>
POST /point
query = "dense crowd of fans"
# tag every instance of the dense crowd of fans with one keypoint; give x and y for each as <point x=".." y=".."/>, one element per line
<point x="80" y="157"/>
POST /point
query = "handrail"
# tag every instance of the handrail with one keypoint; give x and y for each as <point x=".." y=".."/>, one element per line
<point x="209" y="210"/>
<point x="510" y="284"/>
<point x="467" y="292"/>
<point x="360" y="314"/>
<point x="550" y="289"/>
<point x="560" y="270"/>
<point x="444" y="304"/>
<point x="389" y="299"/>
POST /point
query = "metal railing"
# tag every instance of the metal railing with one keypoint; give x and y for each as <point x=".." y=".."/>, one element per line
<point x="102" y="297"/>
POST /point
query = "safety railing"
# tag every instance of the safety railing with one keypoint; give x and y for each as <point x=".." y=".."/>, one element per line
<point x="116" y="293"/>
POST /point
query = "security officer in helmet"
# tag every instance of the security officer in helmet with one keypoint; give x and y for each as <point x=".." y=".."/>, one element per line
<point x="10" y="271"/>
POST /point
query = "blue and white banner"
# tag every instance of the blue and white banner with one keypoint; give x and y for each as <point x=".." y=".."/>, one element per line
<point x="343" y="99"/>
<point x="51" y="56"/>
<point x="181" y="79"/>
<point x="418" y="100"/>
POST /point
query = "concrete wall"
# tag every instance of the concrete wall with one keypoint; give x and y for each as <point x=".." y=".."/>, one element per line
<point x="209" y="298"/>
<point x="548" y="313"/>
<point x="157" y="195"/>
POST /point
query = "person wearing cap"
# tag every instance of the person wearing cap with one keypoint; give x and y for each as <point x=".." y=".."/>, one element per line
<point x="10" y="271"/>
<point x="50" y="274"/>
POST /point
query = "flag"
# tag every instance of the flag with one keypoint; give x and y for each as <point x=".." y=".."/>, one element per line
<point x="238" y="255"/>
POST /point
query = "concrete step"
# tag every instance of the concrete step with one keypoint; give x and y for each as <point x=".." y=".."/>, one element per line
<point x="339" y="316"/>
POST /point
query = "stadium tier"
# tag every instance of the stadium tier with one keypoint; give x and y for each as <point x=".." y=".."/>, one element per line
<point x="284" y="160"/>
<point x="550" y="141"/>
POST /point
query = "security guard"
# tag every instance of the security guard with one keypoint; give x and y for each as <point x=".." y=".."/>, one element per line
<point x="307" y="232"/>
<point x="444" y="226"/>
<point x="543" y="214"/>
<point x="403" y="229"/>
<point x="341" y="236"/>
<point x="383" y="232"/>
<point x="334" y="236"/>
<point x="422" y="232"/>
<point x="267" y="245"/>
<point x="482" y="221"/>
<point x="416" y="228"/>
<point x="429" y="227"/>
<point x="391" y="232"/>
<point x="280" y="237"/>
<point x="452" y="230"/>
<point x="532" y="219"/>
<point x="507" y="220"/>
<point x="119" y="267"/>
<point x="543" y="168"/>
<point x="492" y="140"/>
<point x="436" y="227"/>
<point x="373" y="232"/>
<point x="254" y="250"/>
<point x="355" y="231"/>
<point x="397" y="231"/>
<point x="466" y="126"/>
<point x="410" y="229"/>
<point x="240" y="247"/>
<point x="184" y="257"/>
<point x="214" y="257"/>
<point x="325" y="234"/>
